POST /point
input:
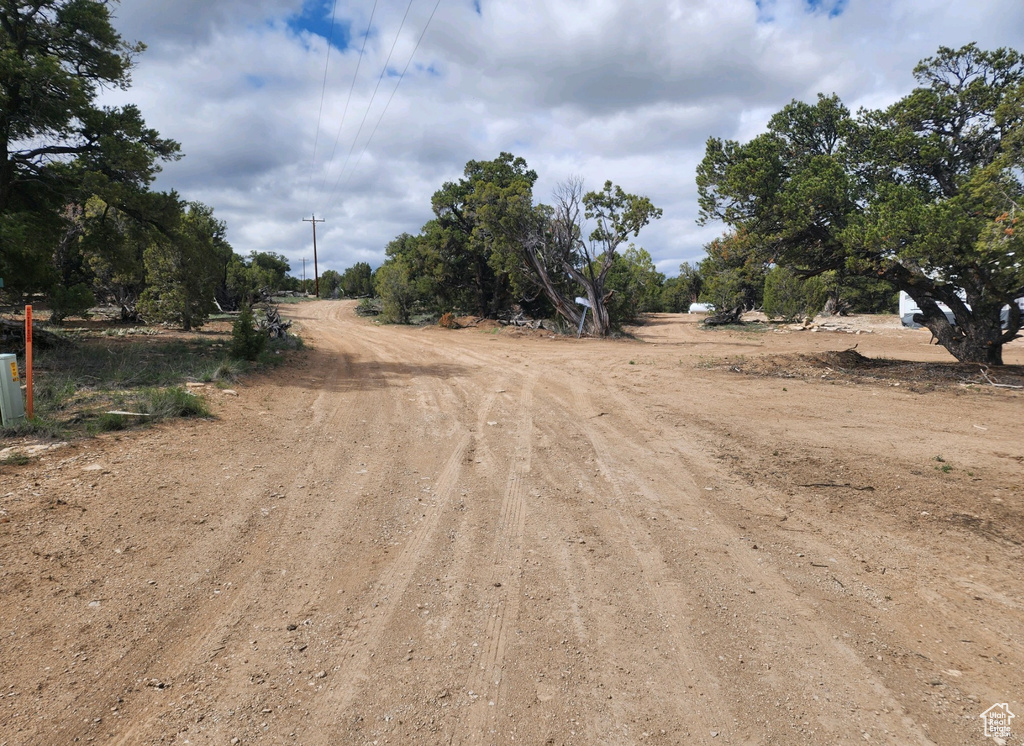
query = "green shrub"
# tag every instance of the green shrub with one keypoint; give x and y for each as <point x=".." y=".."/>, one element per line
<point x="17" y="458"/>
<point x="397" y="292"/>
<point x="108" y="422"/>
<point x="247" y="342"/>
<point x="368" y="307"/>
<point x="173" y="402"/>
<point x="791" y="298"/>
<point x="227" y="371"/>
<point x="39" y="426"/>
<point x="70" y="301"/>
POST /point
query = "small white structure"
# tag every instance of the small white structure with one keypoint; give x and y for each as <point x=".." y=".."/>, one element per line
<point x="12" y="404"/>
<point x="702" y="308"/>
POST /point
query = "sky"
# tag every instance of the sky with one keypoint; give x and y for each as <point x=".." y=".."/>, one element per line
<point x="282" y="114"/>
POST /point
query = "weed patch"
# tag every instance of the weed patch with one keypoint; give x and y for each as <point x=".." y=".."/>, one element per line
<point x="77" y="385"/>
<point x="14" y="459"/>
<point x="173" y="402"/>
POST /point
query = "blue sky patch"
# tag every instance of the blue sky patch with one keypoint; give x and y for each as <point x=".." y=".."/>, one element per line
<point x="833" y="8"/>
<point x="765" y="10"/>
<point x="315" y="18"/>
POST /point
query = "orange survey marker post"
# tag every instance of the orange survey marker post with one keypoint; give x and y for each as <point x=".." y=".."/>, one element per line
<point x="28" y="361"/>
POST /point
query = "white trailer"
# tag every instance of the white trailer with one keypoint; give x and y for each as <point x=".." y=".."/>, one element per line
<point x="908" y="309"/>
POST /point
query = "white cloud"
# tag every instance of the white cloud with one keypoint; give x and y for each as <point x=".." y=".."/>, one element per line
<point x="627" y="90"/>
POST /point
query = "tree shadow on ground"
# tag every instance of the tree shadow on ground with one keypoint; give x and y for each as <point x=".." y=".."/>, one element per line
<point x="340" y="373"/>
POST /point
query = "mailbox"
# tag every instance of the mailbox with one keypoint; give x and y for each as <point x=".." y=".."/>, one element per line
<point x="12" y="404"/>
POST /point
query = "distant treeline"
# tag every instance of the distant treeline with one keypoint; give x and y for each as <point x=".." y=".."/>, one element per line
<point x="490" y="251"/>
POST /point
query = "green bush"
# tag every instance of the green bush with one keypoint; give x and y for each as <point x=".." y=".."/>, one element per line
<point x="173" y="402"/>
<point x="109" y="422"/>
<point x="397" y="292"/>
<point x="39" y="426"/>
<point x="247" y="342"/>
<point x="635" y="284"/>
<point x="70" y="301"/>
<point x="791" y="298"/>
<point x="17" y="458"/>
<point x="368" y="307"/>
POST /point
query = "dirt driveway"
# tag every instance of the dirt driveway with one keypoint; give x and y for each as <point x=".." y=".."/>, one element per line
<point x="424" y="536"/>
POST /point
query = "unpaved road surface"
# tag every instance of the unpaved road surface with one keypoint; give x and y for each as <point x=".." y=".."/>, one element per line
<point x="422" y="536"/>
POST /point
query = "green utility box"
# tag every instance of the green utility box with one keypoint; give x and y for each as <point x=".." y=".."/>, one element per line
<point x="12" y="403"/>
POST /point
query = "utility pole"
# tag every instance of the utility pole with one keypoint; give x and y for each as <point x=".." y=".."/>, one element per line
<point x="316" y="271"/>
<point x="303" y="274"/>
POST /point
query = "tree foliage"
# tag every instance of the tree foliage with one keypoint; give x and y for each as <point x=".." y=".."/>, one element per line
<point x="185" y="268"/>
<point x="733" y="274"/>
<point x="274" y="267"/>
<point x="790" y="297"/>
<point x="553" y="251"/>
<point x="357" y="281"/>
<point x="680" y="291"/>
<point x="78" y="220"/>
<point x="924" y="195"/>
<point x="467" y="236"/>
<point x="76" y="212"/>
<point x="395" y="287"/>
<point x="54" y="139"/>
<point x="249" y="280"/>
<point x="330" y="284"/>
<point x="113" y="243"/>
<point x="490" y="247"/>
<point x="635" y="285"/>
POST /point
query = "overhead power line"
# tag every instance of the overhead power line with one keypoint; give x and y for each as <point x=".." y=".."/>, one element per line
<point x="401" y="77"/>
<point x="373" y="97"/>
<point x="323" y="95"/>
<point x="344" y="114"/>
<point x="373" y="132"/>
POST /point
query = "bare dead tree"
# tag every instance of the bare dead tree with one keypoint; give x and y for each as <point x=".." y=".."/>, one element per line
<point x="549" y="239"/>
<point x="552" y="243"/>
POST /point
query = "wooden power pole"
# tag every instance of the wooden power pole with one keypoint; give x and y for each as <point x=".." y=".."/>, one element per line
<point x="316" y="272"/>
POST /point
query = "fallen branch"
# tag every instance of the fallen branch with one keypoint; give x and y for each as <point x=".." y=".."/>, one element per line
<point x="867" y="488"/>
<point x="272" y="323"/>
<point x="13" y="332"/>
<point x="516" y="317"/>
<point x="984" y="374"/>
<point x="727" y="316"/>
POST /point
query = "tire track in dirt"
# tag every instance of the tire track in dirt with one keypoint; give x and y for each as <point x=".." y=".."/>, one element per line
<point x="505" y="574"/>
<point x="933" y="603"/>
<point x="823" y="545"/>
<point x="782" y="597"/>
<point x="207" y="642"/>
<point x="320" y="529"/>
<point x="430" y="617"/>
<point x="715" y="714"/>
<point x="354" y="653"/>
<point x="584" y="624"/>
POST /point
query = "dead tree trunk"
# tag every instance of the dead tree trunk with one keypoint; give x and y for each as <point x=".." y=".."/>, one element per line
<point x="272" y="323"/>
<point x="730" y="316"/>
<point x="13" y="333"/>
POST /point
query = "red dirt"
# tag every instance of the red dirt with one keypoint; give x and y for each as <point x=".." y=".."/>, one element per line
<point x="425" y="536"/>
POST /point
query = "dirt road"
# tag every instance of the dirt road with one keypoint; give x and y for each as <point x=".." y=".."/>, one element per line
<point x="422" y="536"/>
